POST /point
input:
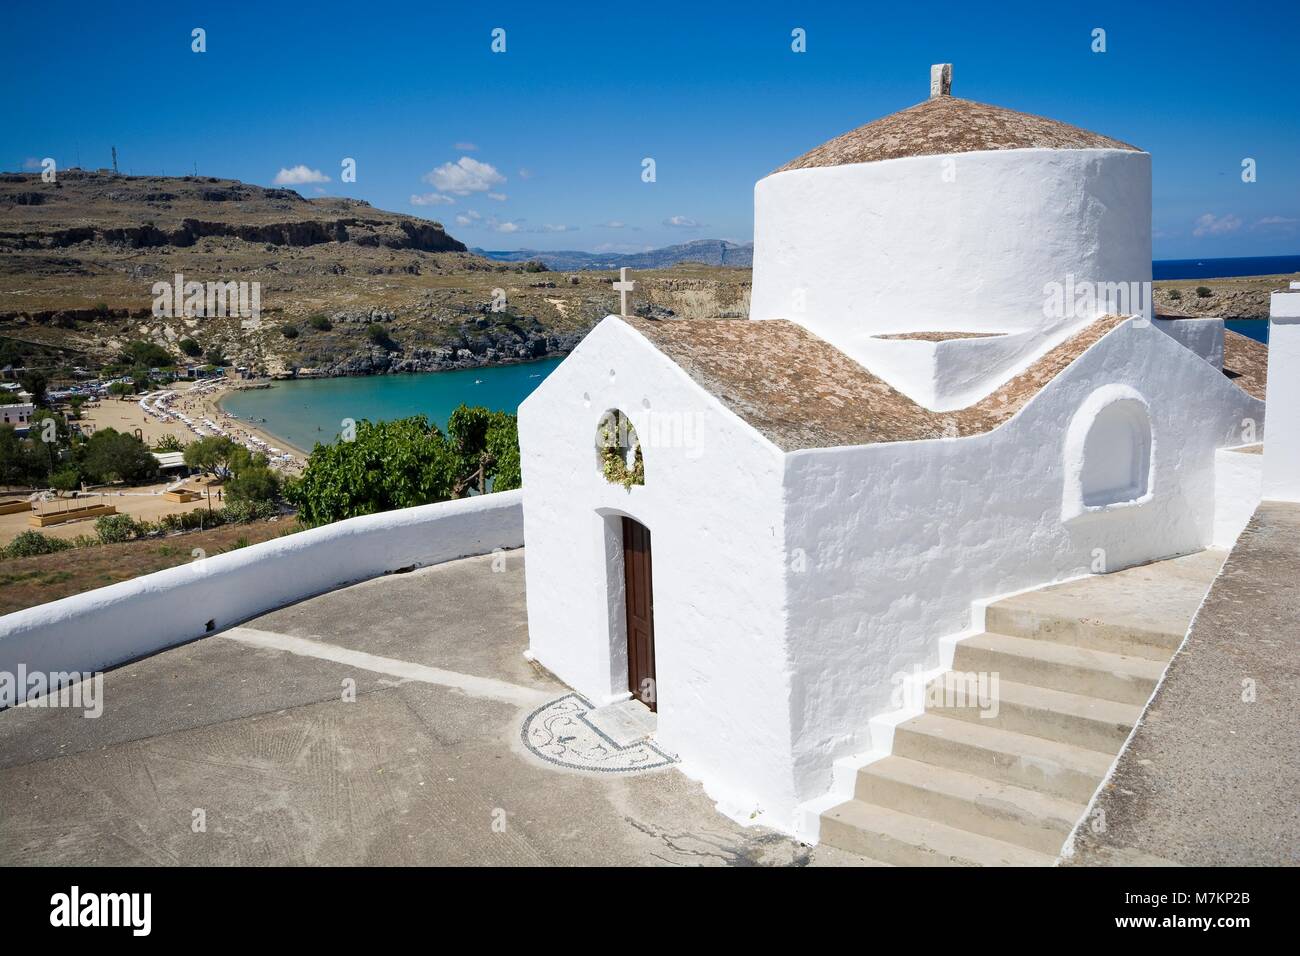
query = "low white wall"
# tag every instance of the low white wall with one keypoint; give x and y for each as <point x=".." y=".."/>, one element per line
<point x="1238" y="479"/>
<point x="121" y="622"/>
<point x="1202" y="336"/>
<point x="1282" y="450"/>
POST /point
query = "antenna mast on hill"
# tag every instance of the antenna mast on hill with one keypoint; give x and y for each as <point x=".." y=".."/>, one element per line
<point x="114" y="160"/>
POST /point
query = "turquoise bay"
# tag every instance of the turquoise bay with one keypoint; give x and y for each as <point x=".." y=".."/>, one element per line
<point x="312" y="410"/>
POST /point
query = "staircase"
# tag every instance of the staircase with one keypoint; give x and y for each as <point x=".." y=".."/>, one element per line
<point x="972" y="785"/>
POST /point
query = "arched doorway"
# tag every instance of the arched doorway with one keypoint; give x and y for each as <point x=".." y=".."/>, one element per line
<point x="639" y="596"/>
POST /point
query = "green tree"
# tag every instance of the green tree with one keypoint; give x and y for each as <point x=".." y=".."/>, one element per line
<point x="146" y="355"/>
<point x="169" y="442"/>
<point x="393" y="464"/>
<point x="65" y="480"/>
<point x="408" y="462"/>
<point x="214" y="454"/>
<point x="110" y="455"/>
<point x="190" y="347"/>
<point x="121" y="389"/>
<point x="483" y="440"/>
<point x="36" y="383"/>
<point x="253" y="483"/>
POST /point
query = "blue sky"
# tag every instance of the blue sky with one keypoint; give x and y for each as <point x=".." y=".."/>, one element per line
<point x="559" y="124"/>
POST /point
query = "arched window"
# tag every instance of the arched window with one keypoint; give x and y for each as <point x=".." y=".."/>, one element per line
<point x="1108" y="453"/>
<point x="1116" y="455"/>
<point x="618" y="450"/>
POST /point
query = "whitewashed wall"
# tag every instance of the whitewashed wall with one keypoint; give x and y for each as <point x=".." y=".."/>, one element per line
<point x="125" y="621"/>
<point x="901" y="538"/>
<point x="714" y="510"/>
<point x="1282" y="452"/>
<point x="857" y="250"/>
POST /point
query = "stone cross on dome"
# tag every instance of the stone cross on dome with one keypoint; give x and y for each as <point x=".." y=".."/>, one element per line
<point x="623" y="286"/>
<point x="941" y="80"/>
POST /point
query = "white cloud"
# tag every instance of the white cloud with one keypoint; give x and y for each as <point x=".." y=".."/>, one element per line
<point x="299" y="175"/>
<point x="682" y="222"/>
<point x="464" y="176"/>
<point x="31" y="162"/>
<point x="1272" y="222"/>
<point x="505" y="226"/>
<point x="465" y="147"/>
<point x="499" y="197"/>
<point x="468" y="218"/>
<point x="613" y="224"/>
<point x="1212" y="225"/>
<point x="550" y="227"/>
<point x="430" y="199"/>
<point x="525" y="173"/>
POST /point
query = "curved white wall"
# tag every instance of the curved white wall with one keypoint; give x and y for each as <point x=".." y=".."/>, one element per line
<point x="121" y="622"/>
<point x="893" y="246"/>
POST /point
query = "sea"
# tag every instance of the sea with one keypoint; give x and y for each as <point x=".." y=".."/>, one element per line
<point x="303" y="412"/>
<point x="307" y="411"/>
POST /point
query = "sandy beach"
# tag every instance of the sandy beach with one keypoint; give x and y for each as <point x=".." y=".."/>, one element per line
<point x="199" y="401"/>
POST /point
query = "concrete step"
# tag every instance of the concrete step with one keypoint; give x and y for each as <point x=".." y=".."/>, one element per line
<point x="1024" y="616"/>
<point x="1076" y="670"/>
<point x="1049" y="766"/>
<point x="1142" y="611"/>
<point x="1090" y="722"/>
<point x="906" y="840"/>
<point x="1000" y="811"/>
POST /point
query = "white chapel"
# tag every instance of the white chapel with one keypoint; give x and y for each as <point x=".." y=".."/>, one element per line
<point x="950" y="387"/>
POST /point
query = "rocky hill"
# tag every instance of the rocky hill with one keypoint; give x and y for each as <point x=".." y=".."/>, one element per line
<point x="79" y="259"/>
<point x="709" y="252"/>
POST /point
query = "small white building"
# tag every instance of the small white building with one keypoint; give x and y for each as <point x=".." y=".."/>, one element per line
<point x="950" y="387"/>
<point x="17" y="414"/>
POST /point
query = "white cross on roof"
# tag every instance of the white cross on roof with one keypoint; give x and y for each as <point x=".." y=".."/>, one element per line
<point x="623" y="286"/>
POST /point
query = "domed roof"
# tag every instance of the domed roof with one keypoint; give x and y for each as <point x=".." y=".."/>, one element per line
<point x="945" y="124"/>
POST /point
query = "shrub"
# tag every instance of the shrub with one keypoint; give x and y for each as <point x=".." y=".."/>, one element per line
<point x="31" y="543"/>
<point x="254" y="483"/>
<point x="320" y="323"/>
<point x="379" y="336"/>
<point x="190" y="348"/>
<point x="241" y="512"/>
<point x="169" y="443"/>
<point x="405" y="462"/>
<point x="1204" y="291"/>
<point x="114" y="529"/>
<point x="146" y="353"/>
<point x="1175" y="294"/>
<point x="289" y="331"/>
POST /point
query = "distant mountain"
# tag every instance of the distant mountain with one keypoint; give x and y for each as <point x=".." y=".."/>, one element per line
<point x="709" y="252"/>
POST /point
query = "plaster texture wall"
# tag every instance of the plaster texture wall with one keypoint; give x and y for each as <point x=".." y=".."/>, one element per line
<point x="1282" y="450"/>
<point x="1238" y="484"/>
<point x="125" y="621"/>
<point x="712" y="500"/>
<point x="1202" y="336"/>
<point x="901" y="539"/>
<point x="944" y="243"/>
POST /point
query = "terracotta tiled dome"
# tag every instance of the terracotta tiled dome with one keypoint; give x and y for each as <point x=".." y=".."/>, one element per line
<point x="945" y="124"/>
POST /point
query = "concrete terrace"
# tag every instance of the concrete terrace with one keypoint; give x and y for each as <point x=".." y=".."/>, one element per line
<point x="251" y="728"/>
<point x="1209" y="777"/>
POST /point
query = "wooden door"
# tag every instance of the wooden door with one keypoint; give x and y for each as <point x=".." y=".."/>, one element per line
<point x="640" y="613"/>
